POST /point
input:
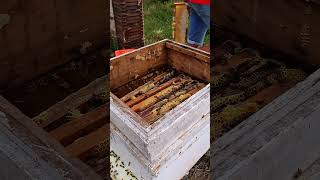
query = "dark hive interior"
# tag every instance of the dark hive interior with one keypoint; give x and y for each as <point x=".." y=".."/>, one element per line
<point x="35" y="97"/>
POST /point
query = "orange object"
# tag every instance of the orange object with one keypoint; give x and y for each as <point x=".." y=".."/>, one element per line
<point x="122" y="51"/>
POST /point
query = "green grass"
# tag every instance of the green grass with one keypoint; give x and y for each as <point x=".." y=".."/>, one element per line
<point x="157" y="20"/>
<point x="207" y="38"/>
<point x="158" y="17"/>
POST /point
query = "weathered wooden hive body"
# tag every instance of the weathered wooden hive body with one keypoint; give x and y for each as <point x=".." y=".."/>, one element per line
<point x="268" y="129"/>
<point x="159" y="129"/>
<point x="128" y="16"/>
<point x="53" y="89"/>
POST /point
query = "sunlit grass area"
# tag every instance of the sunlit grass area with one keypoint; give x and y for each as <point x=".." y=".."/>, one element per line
<point x="158" y="17"/>
<point x="157" y="20"/>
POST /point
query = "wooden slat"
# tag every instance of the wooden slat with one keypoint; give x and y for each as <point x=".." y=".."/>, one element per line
<point x="127" y="67"/>
<point x="73" y="129"/>
<point x="266" y="127"/>
<point x="190" y="65"/>
<point x="89" y="141"/>
<point x="58" y="110"/>
<point x="294" y="148"/>
<point x="22" y="162"/>
<point x="126" y="109"/>
<point x="191" y="52"/>
<point x="43" y="145"/>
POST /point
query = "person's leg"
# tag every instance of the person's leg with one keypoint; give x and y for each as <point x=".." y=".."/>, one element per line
<point x="204" y="13"/>
<point x="199" y="24"/>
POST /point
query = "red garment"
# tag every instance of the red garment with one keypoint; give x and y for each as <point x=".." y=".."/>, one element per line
<point x="206" y="2"/>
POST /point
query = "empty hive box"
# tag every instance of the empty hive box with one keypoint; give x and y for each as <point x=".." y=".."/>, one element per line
<point x="128" y="16"/>
<point x="159" y="109"/>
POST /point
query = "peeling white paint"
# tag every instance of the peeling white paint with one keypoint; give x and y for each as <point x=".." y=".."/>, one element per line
<point x="4" y="20"/>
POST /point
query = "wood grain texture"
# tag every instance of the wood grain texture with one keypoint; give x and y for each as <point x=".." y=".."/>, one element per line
<point x="192" y="61"/>
<point x="280" y="132"/>
<point x="295" y="32"/>
<point x="43" y="35"/>
<point x="72" y="101"/>
<point x="177" y="160"/>
<point x="190" y="65"/>
<point x="43" y="146"/>
<point x="70" y="131"/>
<point x="196" y="53"/>
<point x="128" y="67"/>
<point x="86" y="143"/>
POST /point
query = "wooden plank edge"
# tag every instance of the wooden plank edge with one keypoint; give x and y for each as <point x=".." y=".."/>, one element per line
<point x="70" y="130"/>
<point x="190" y="52"/>
<point x="74" y="100"/>
<point x="86" y="143"/>
<point x="75" y="163"/>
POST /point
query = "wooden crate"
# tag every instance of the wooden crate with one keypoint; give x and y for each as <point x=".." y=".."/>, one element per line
<point x="168" y="148"/>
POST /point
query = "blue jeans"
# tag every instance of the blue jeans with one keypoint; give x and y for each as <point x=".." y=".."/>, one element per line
<point x="199" y="23"/>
